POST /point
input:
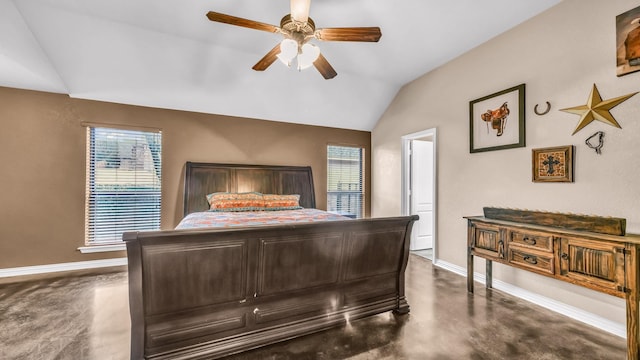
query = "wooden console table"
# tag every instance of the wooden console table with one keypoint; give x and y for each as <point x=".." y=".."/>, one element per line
<point x="589" y="251"/>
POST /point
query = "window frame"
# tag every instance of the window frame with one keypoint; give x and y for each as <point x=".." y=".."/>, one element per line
<point x="151" y="192"/>
<point x="361" y="192"/>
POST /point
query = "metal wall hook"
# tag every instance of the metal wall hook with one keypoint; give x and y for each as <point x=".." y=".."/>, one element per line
<point x="598" y="147"/>
<point x="535" y="109"/>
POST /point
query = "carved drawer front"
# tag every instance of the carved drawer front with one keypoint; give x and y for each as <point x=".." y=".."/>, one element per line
<point x="488" y="240"/>
<point x="534" y="261"/>
<point x="597" y="265"/>
<point x="531" y="239"/>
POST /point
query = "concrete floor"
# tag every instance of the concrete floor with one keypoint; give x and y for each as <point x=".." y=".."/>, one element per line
<point x="87" y="317"/>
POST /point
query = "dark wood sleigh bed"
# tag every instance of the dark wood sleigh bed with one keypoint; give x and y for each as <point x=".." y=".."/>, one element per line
<point x="208" y="293"/>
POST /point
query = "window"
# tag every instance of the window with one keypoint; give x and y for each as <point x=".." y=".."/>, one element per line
<point x="345" y="188"/>
<point x="123" y="183"/>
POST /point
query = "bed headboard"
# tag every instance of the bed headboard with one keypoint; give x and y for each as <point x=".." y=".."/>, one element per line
<point x="203" y="178"/>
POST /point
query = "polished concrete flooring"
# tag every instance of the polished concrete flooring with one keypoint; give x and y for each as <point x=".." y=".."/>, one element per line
<point x="87" y="317"/>
<point x="425" y="253"/>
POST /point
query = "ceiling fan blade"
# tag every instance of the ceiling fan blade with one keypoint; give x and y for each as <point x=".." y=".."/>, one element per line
<point x="268" y="59"/>
<point x="324" y="67"/>
<point x="232" y="20"/>
<point x="370" y="34"/>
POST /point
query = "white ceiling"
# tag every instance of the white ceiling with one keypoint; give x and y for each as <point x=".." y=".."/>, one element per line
<point x="167" y="54"/>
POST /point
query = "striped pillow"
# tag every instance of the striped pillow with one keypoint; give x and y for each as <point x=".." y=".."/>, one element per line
<point x="274" y="202"/>
<point x="224" y="201"/>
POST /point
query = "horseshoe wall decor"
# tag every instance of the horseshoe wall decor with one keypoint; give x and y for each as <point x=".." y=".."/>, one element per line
<point x="535" y="109"/>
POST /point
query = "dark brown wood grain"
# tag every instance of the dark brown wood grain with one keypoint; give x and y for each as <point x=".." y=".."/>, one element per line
<point x="206" y="178"/>
<point x="208" y="293"/>
<point x="368" y="34"/>
<point x="326" y="70"/>
<point x="598" y="224"/>
<point x="233" y="20"/>
<point x="268" y="59"/>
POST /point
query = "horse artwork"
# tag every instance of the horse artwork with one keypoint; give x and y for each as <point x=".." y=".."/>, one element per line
<point x="497" y="118"/>
<point x="504" y="105"/>
<point x="628" y="42"/>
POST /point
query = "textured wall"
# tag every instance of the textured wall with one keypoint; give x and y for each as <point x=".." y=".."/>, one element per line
<point x="42" y="156"/>
<point x="559" y="55"/>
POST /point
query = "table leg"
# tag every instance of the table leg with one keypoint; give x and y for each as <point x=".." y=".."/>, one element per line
<point x="631" y="296"/>
<point x="489" y="274"/>
<point x="469" y="271"/>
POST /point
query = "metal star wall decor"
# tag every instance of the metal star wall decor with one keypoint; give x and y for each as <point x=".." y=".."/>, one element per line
<point x="596" y="109"/>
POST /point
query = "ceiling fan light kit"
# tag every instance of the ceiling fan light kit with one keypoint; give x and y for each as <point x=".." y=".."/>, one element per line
<point x="300" y="10"/>
<point x="288" y="51"/>
<point x="309" y="53"/>
<point x="298" y="29"/>
<point x="305" y="55"/>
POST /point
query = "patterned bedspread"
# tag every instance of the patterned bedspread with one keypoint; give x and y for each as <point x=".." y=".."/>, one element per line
<point x="228" y="219"/>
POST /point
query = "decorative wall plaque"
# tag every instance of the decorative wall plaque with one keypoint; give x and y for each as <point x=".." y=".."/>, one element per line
<point x="597" y="109"/>
<point x="553" y="164"/>
<point x="496" y="121"/>
<point x="628" y="42"/>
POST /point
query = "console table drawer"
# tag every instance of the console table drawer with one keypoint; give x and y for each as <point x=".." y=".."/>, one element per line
<point x="598" y="264"/>
<point x="487" y="240"/>
<point x="532" y="261"/>
<point x="531" y="239"/>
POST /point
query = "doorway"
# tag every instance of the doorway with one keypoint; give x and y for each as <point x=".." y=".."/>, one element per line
<point x="419" y="189"/>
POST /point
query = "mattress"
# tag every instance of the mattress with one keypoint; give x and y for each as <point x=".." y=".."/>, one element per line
<point x="209" y="219"/>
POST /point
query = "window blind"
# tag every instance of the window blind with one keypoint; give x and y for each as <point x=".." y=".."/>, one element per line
<point x="124" y="173"/>
<point x="345" y="183"/>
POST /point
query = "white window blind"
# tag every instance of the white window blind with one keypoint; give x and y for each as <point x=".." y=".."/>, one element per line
<point x="345" y="182"/>
<point x="124" y="170"/>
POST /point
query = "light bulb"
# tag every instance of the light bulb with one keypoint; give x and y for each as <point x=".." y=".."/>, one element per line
<point x="300" y="10"/>
<point x="288" y="51"/>
<point x="308" y="54"/>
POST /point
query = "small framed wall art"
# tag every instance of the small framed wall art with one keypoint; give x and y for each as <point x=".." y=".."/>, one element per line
<point x="628" y="42"/>
<point x="553" y="164"/>
<point x="496" y="121"/>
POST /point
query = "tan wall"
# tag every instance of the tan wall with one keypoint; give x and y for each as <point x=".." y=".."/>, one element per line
<point x="42" y="157"/>
<point x="559" y="55"/>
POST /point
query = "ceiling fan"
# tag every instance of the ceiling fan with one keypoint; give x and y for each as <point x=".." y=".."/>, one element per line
<point x="298" y="28"/>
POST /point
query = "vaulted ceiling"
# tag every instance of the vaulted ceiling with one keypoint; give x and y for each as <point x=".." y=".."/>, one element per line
<point x="167" y="54"/>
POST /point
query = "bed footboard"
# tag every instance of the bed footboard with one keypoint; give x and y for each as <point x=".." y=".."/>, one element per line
<point x="203" y="294"/>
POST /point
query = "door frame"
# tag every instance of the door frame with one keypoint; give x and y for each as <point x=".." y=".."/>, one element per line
<point x="406" y="179"/>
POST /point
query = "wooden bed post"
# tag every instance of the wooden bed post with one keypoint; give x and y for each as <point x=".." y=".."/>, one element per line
<point x="403" y="305"/>
<point x="136" y="300"/>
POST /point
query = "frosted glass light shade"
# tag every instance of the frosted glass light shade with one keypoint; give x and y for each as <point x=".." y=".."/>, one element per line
<point x="308" y="54"/>
<point x="288" y="51"/>
<point x="300" y="10"/>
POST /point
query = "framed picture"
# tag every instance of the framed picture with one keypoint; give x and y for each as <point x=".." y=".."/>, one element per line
<point x="553" y="164"/>
<point x="628" y="42"/>
<point x="496" y="121"/>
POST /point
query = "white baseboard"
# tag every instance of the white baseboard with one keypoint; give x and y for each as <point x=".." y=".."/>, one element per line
<point x="615" y="328"/>
<point x="43" y="269"/>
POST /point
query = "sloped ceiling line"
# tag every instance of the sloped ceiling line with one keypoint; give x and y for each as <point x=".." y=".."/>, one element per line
<point x="171" y="56"/>
<point x="23" y="61"/>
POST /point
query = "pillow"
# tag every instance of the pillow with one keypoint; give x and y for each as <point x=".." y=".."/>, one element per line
<point x="224" y="201"/>
<point x="274" y="202"/>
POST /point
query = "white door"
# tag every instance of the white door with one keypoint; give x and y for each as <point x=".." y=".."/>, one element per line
<point x="421" y="194"/>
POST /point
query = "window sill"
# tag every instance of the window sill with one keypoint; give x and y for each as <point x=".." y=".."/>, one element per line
<point x="102" y="248"/>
